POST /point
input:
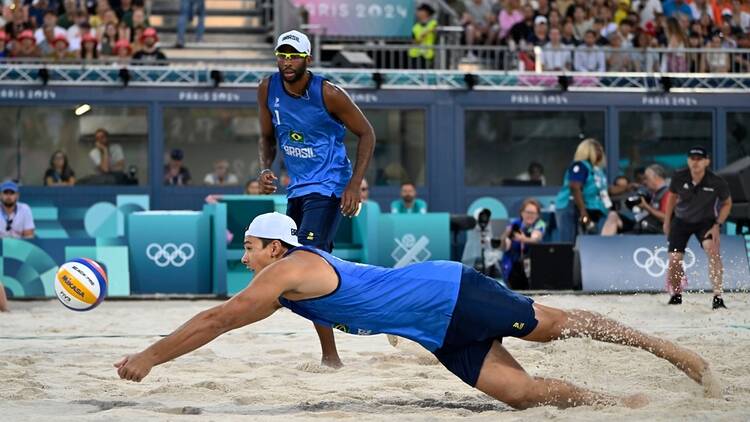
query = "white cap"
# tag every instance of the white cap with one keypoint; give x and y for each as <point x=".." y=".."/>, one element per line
<point x="275" y="226"/>
<point x="296" y="40"/>
<point x="540" y="19"/>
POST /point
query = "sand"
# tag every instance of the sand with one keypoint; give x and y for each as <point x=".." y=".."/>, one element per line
<point x="57" y="364"/>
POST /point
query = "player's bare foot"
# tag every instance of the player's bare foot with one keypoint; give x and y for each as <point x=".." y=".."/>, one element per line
<point x="331" y="362"/>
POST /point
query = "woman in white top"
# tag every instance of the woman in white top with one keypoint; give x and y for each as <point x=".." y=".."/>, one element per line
<point x="716" y="62"/>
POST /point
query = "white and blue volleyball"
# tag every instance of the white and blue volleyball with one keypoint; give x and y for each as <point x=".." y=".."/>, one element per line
<point x="81" y="284"/>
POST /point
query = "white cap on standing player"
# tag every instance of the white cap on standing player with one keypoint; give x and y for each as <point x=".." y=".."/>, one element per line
<point x="296" y="40"/>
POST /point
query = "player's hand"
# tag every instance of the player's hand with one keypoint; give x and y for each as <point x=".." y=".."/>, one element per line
<point x="267" y="182"/>
<point x="134" y="367"/>
<point x="351" y="198"/>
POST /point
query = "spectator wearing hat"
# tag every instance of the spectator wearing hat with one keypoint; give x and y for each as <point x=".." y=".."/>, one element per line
<point x="50" y="23"/>
<point x="221" y="175"/>
<point x="78" y="30"/>
<point x="123" y="51"/>
<point x="175" y="173"/>
<point x="540" y="36"/>
<point x="150" y="52"/>
<point x="188" y="9"/>
<point x="16" y="219"/>
<point x="89" y="49"/>
<point x="60" y="50"/>
<point x="26" y="45"/>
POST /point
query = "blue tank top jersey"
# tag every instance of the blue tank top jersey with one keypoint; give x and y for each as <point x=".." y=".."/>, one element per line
<point x="310" y="139"/>
<point x="415" y="302"/>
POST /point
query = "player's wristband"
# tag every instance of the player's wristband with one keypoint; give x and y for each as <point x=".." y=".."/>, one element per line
<point x="718" y="223"/>
<point x="263" y="171"/>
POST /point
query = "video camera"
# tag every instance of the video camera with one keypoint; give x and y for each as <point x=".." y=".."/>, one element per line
<point x="634" y="198"/>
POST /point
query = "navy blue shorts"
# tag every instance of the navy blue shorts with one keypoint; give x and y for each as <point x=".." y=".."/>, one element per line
<point x="485" y="311"/>
<point x="317" y="217"/>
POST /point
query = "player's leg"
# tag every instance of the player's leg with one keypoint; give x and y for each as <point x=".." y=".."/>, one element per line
<point x="504" y="379"/>
<point x="715" y="266"/>
<point x="679" y="234"/>
<point x="3" y="299"/>
<point x="558" y="324"/>
<point x="319" y="220"/>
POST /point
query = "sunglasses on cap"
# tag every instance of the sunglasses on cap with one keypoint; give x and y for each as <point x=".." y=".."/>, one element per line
<point x="290" y="56"/>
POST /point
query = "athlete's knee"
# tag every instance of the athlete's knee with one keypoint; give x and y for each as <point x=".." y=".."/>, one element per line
<point x="523" y="395"/>
<point x="552" y="322"/>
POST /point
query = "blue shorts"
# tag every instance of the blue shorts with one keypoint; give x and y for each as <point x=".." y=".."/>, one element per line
<point x="317" y="217"/>
<point x="485" y="311"/>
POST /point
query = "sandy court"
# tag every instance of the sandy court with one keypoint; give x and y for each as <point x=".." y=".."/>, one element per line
<point x="57" y="363"/>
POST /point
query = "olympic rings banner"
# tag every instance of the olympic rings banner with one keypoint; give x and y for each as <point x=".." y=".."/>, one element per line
<point x="639" y="263"/>
<point x="360" y="18"/>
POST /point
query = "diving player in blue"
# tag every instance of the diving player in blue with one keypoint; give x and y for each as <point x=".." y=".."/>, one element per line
<point x="453" y="311"/>
<point x="309" y="116"/>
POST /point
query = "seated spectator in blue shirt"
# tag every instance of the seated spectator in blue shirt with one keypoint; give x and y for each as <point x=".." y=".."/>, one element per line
<point x="59" y="172"/>
<point x="409" y="203"/>
<point x="521" y="232"/>
<point x="17" y="220"/>
<point x="174" y="172"/>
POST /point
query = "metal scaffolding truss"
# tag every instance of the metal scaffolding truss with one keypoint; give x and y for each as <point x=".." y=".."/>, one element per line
<point x="244" y="77"/>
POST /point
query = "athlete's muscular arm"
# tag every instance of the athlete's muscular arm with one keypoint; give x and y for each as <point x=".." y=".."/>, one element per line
<point x="338" y="103"/>
<point x="256" y="302"/>
<point x="267" y="141"/>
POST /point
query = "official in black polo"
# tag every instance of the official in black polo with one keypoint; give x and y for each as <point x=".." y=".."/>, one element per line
<point x="701" y="204"/>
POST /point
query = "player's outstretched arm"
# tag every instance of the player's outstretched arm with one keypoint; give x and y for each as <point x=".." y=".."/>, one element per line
<point x="254" y="303"/>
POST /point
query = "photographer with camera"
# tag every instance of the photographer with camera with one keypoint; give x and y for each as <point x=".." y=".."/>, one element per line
<point x="646" y="204"/>
<point x="583" y="201"/>
<point x="527" y="229"/>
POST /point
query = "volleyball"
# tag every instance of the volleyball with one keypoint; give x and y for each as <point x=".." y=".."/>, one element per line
<point x="81" y="284"/>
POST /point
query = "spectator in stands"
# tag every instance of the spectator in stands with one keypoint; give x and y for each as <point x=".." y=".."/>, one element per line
<point x="175" y="173"/>
<point x="479" y="22"/>
<point x="623" y="7"/>
<point x="107" y="158"/>
<point x="567" y="37"/>
<point x="424" y="33"/>
<point x="542" y="8"/>
<point x="539" y="37"/>
<point x="221" y="175"/>
<point x="4" y="39"/>
<point x="89" y="50"/>
<point x="700" y="7"/>
<point x="740" y="17"/>
<point x="46" y="47"/>
<point x="676" y="40"/>
<point x="674" y="7"/>
<point x="252" y="187"/>
<point x="534" y="173"/>
<point x="644" y="60"/>
<point x="696" y="61"/>
<point x="124" y="12"/>
<point x="588" y="57"/>
<point x="519" y="233"/>
<point x="608" y="25"/>
<point x="59" y="172"/>
<point x="17" y="24"/>
<point x="124" y="32"/>
<point x="80" y="28"/>
<point x="582" y="203"/>
<point x="716" y="62"/>
<point x="108" y="40"/>
<point x="50" y="24"/>
<point x="598" y="27"/>
<point x="60" y="50"/>
<point x="140" y="19"/>
<point x="554" y="19"/>
<point x="707" y="26"/>
<point x="618" y="61"/>
<point x="510" y="15"/>
<point x="26" y="45"/>
<point x="123" y="51"/>
<point x="17" y="221"/>
<point x="150" y="52"/>
<point x="36" y="14"/>
<point x="364" y="190"/>
<point x="187" y="9"/>
<point x="522" y="30"/>
<point x="581" y="23"/>
<point x="647" y="9"/>
<point x="556" y="55"/>
<point x="68" y="18"/>
<point x="409" y="203"/>
<point x="625" y="31"/>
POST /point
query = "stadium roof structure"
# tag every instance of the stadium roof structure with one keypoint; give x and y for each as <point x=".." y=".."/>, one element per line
<point x="234" y="76"/>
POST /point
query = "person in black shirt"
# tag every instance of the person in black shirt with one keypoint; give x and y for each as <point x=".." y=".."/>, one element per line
<point x="174" y="172"/>
<point x="698" y="193"/>
<point x="150" y="52"/>
<point x="59" y="172"/>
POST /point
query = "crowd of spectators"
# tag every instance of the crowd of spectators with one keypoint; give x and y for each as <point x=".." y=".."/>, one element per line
<point x="117" y="30"/>
<point x="586" y="35"/>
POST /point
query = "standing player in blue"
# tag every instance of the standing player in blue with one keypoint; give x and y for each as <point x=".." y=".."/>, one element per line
<point x="309" y="116"/>
<point x="453" y="311"/>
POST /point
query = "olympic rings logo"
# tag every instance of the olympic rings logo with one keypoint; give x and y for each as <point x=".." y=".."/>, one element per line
<point x="656" y="262"/>
<point x="170" y="254"/>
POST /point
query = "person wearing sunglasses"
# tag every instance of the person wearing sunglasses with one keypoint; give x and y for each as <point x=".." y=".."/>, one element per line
<point x="308" y="116"/>
<point x="16" y="220"/>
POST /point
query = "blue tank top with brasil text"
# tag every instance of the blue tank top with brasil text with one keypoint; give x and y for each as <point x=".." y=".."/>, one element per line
<point x="415" y="302"/>
<point x="310" y="138"/>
